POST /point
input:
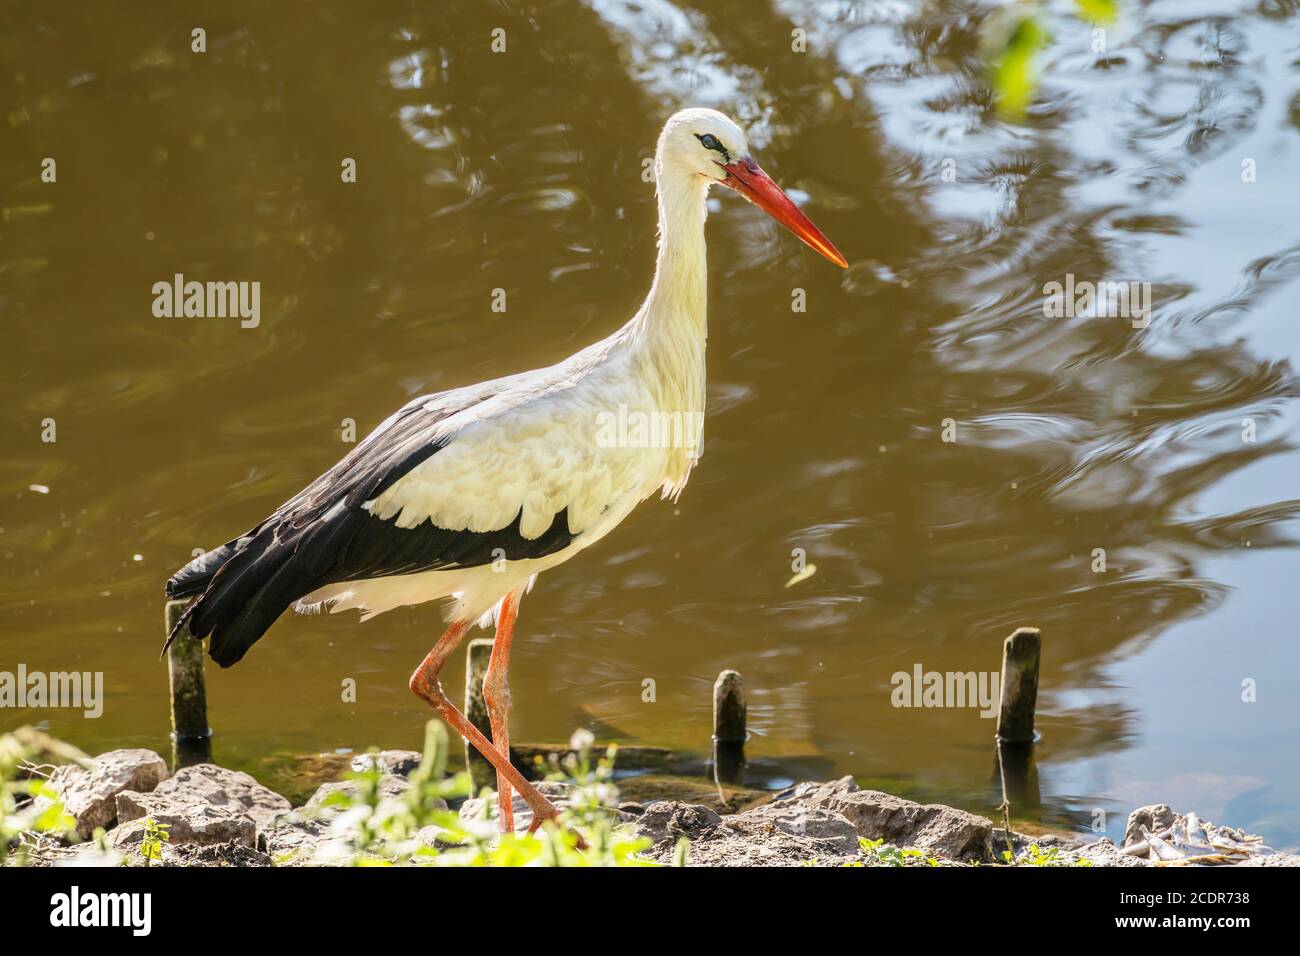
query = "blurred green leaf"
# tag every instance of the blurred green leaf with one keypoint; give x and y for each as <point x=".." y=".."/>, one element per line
<point x="1012" y="70"/>
<point x="1103" y="12"/>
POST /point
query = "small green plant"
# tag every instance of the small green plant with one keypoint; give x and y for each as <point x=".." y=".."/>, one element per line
<point x="681" y="852"/>
<point x="376" y="830"/>
<point x="879" y="853"/>
<point x="591" y="796"/>
<point x="155" y="835"/>
<point x="1035" y="855"/>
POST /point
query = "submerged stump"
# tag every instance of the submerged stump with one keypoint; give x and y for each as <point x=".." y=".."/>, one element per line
<point x="1018" y="776"/>
<point x="479" y="652"/>
<point x="1020" y="657"/>
<point x="729" y="732"/>
<point x="191" y="735"/>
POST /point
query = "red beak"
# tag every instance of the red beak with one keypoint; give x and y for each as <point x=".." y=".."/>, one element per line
<point x="745" y="177"/>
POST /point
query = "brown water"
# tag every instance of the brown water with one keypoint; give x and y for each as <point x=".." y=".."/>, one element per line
<point x="522" y="170"/>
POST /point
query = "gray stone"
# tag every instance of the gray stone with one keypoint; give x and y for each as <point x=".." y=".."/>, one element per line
<point x="230" y="853"/>
<point x="556" y="792"/>
<point x="1105" y="853"/>
<point x="667" y="820"/>
<point x="217" y="854"/>
<point x="1274" y="859"/>
<point x="191" y="822"/>
<point x="816" y="792"/>
<point x="204" y="785"/>
<point x="831" y="830"/>
<point x="90" y="794"/>
<point x="938" y="830"/>
<point x="298" y="838"/>
<point x="398" y="762"/>
<point x="433" y="837"/>
<point x="312" y="835"/>
<point x="391" y="786"/>
<point x="1157" y="818"/>
<point x="772" y="835"/>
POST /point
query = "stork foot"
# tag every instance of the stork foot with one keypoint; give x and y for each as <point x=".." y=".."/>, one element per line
<point x="537" y="821"/>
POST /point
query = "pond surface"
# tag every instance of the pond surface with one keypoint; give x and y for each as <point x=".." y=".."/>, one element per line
<point x="1171" y="158"/>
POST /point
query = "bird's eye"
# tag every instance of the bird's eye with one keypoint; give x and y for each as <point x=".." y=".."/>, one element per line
<point x="709" y="141"/>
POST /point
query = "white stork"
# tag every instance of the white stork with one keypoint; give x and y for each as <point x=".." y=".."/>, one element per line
<point x="471" y="493"/>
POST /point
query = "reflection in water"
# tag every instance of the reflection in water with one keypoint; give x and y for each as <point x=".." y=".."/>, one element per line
<point x="522" y="171"/>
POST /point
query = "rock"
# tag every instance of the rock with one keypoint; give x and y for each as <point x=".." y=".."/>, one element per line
<point x="1163" y="837"/>
<point x="90" y="794"/>
<point x="771" y="835"/>
<point x="1105" y="853"/>
<point x="936" y="829"/>
<point x="190" y="822"/>
<point x="298" y="838"/>
<point x="831" y="831"/>
<point x="398" y="762"/>
<point x="815" y="822"/>
<point x="1034" y="835"/>
<point x="815" y="792"/>
<point x="434" y="837"/>
<point x="204" y="785"/>
<point x="319" y="833"/>
<point x="556" y="792"/>
<point x="295" y="836"/>
<point x="219" y="854"/>
<point x="82" y="855"/>
<point x="667" y="820"/>
<point x="391" y="786"/>
<point x="1157" y="818"/>
<point x="1275" y="859"/>
<point x="232" y="853"/>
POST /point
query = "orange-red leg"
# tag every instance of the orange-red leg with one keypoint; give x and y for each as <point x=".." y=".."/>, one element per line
<point x="425" y="685"/>
<point x="496" y="694"/>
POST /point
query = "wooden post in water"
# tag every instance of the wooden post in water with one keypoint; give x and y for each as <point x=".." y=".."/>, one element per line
<point x="476" y="665"/>
<point x="1020" y="656"/>
<point x="729" y="733"/>
<point x="1021" y="653"/>
<point x="191" y="735"/>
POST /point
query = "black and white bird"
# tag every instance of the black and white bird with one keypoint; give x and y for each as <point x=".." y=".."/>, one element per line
<point x="469" y="494"/>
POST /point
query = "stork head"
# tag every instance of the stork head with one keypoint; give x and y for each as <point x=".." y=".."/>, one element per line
<point x="706" y="143"/>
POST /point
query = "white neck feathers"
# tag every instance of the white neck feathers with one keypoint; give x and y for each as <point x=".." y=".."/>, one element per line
<point x="678" y="295"/>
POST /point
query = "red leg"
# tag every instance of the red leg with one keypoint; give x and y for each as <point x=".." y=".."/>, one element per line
<point x="425" y="685"/>
<point x="496" y="693"/>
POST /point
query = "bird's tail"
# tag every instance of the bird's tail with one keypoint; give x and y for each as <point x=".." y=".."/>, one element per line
<point x="239" y="590"/>
<point x="194" y="577"/>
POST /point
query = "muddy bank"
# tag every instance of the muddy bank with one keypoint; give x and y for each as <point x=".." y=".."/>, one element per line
<point x="220" y="817"/>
